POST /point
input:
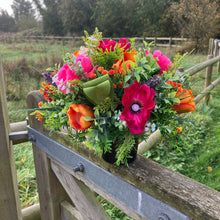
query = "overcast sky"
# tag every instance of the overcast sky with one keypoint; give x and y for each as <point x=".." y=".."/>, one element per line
<point x="6" y="5"/>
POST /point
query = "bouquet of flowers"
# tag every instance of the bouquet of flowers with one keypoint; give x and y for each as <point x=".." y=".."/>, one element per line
<point x="112" y="96"/>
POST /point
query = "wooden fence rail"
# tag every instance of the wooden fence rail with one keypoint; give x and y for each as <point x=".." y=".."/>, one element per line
<point x="157" y="41"/>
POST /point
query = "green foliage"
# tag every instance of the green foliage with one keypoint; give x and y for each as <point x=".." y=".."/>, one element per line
<point x="107" y="58"/>
<point x="27" y="184"/>
<point x="113" y="212"/>
<point x="52" y="22"/>
<point x="92" y="40"/>
<point x="187" y="15"/>
<point x="76" y="15"/>
<point x="7" y="22"/>
<point x="124" y="150"/>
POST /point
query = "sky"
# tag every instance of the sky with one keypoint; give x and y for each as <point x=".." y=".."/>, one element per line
<point x="6" y="5"/>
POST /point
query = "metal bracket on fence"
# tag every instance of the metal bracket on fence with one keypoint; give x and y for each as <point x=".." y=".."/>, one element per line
<point x="134" y="198"/>
<point x="17" y="136"/>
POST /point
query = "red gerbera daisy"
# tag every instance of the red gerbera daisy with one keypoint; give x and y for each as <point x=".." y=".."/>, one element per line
<point x="138" y="103"/>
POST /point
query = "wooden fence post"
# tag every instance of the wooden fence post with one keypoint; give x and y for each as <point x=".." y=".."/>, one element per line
<point x="218" y="54"/>
<point x="211" y="46"/>
<point x="10" y="208"/>
<point x="208" y="78"/>
<point x="170" y="42"/>
<point x="215" y="52"/>
<point x="51" y="193"/>
<point x="155" y="41"/>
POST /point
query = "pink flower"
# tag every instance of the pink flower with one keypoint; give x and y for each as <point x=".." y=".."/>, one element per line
<point x="86" y="65"/>
<point x="110" y="44"/>
<point x="138" y="103"/>
<point x="107" y="44"/>
<point x="123" y="42"/>
<point x="64" y="75"/>
<point x="163" y="61"/>
<point x="147" y="52"/>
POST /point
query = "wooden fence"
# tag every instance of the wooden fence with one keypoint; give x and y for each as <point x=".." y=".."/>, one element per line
<point x="69" y="178"/>
<point x="157" y="41"/>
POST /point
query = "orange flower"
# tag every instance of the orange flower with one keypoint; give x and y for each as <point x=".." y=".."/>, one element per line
<point x="93" y="75"/>
<point x="104" y="72"/>
<point x="40" y="104"/>
<point x="76" y="54"/>
<point x="76" y="114"/>
<point x="124" y="63"/>
<point x="179" y="129"/>
<point x="174" y="84"/>
<point x="187" y="103"/>
<point x="39" y="117"/>
<point x="100" y="68"/>
<point x="111" y="72"/>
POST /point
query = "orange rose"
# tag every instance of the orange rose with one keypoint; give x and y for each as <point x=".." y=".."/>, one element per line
<point x="123" y="63"/>
<point x="187" y="103"/>
<point x="76" y="114"/>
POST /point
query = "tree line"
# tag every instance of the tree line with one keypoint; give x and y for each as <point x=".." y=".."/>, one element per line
<point x="180" y="18"/>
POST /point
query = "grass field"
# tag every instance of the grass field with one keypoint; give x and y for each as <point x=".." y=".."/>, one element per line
<point x="199" y="161"/>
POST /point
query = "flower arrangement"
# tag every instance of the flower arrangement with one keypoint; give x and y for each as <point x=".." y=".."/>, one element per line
<point x="111" y="94"/>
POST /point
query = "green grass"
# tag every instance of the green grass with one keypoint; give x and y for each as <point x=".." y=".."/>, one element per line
<point x="201" y="160"/>
<point x="27" y="184"/>
<point x="33" y="50"/>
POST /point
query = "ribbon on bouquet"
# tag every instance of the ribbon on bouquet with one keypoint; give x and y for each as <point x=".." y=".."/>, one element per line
<point x="97" y="90"/>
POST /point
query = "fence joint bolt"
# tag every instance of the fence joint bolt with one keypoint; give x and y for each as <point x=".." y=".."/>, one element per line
<point x="163" y="216"/>
<point x="79" y="168"/>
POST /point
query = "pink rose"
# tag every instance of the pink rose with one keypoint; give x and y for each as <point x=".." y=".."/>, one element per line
<point x="64" y="75"/>
<point x="163" y="61"/>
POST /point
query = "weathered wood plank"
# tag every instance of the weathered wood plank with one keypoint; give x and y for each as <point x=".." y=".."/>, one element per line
<point x="208" y="89"/>
<point x="10" y="208"/>
<point x="82" y="197"/>
<point x="31" y="213"/>
<point x="18" y="126"/>
<point x="208" y="78"/>
<point x="99" y="191"/>
<point x="51" y="193"/>
<point x="68" y="212"/>
<point x="195" y="69"/>
<point x="18" y="137"/>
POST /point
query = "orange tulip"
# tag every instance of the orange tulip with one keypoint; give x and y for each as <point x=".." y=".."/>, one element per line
<point x="123" y="63"/>
<point x="76" y="114"/>
<point x="187" y="103"/>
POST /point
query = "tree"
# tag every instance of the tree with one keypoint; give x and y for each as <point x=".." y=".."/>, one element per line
<point x="7" y="23"/>
<point x="24" y="14"/>
<point x="116" y="17"/>
<point x="154" y="18"/>
<point x="195" y="19"/>
<point x="52" y="22"/>
<point x="76" y="15"/>
<point x="133" y="17"/>
<point x="22" y="8"/>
